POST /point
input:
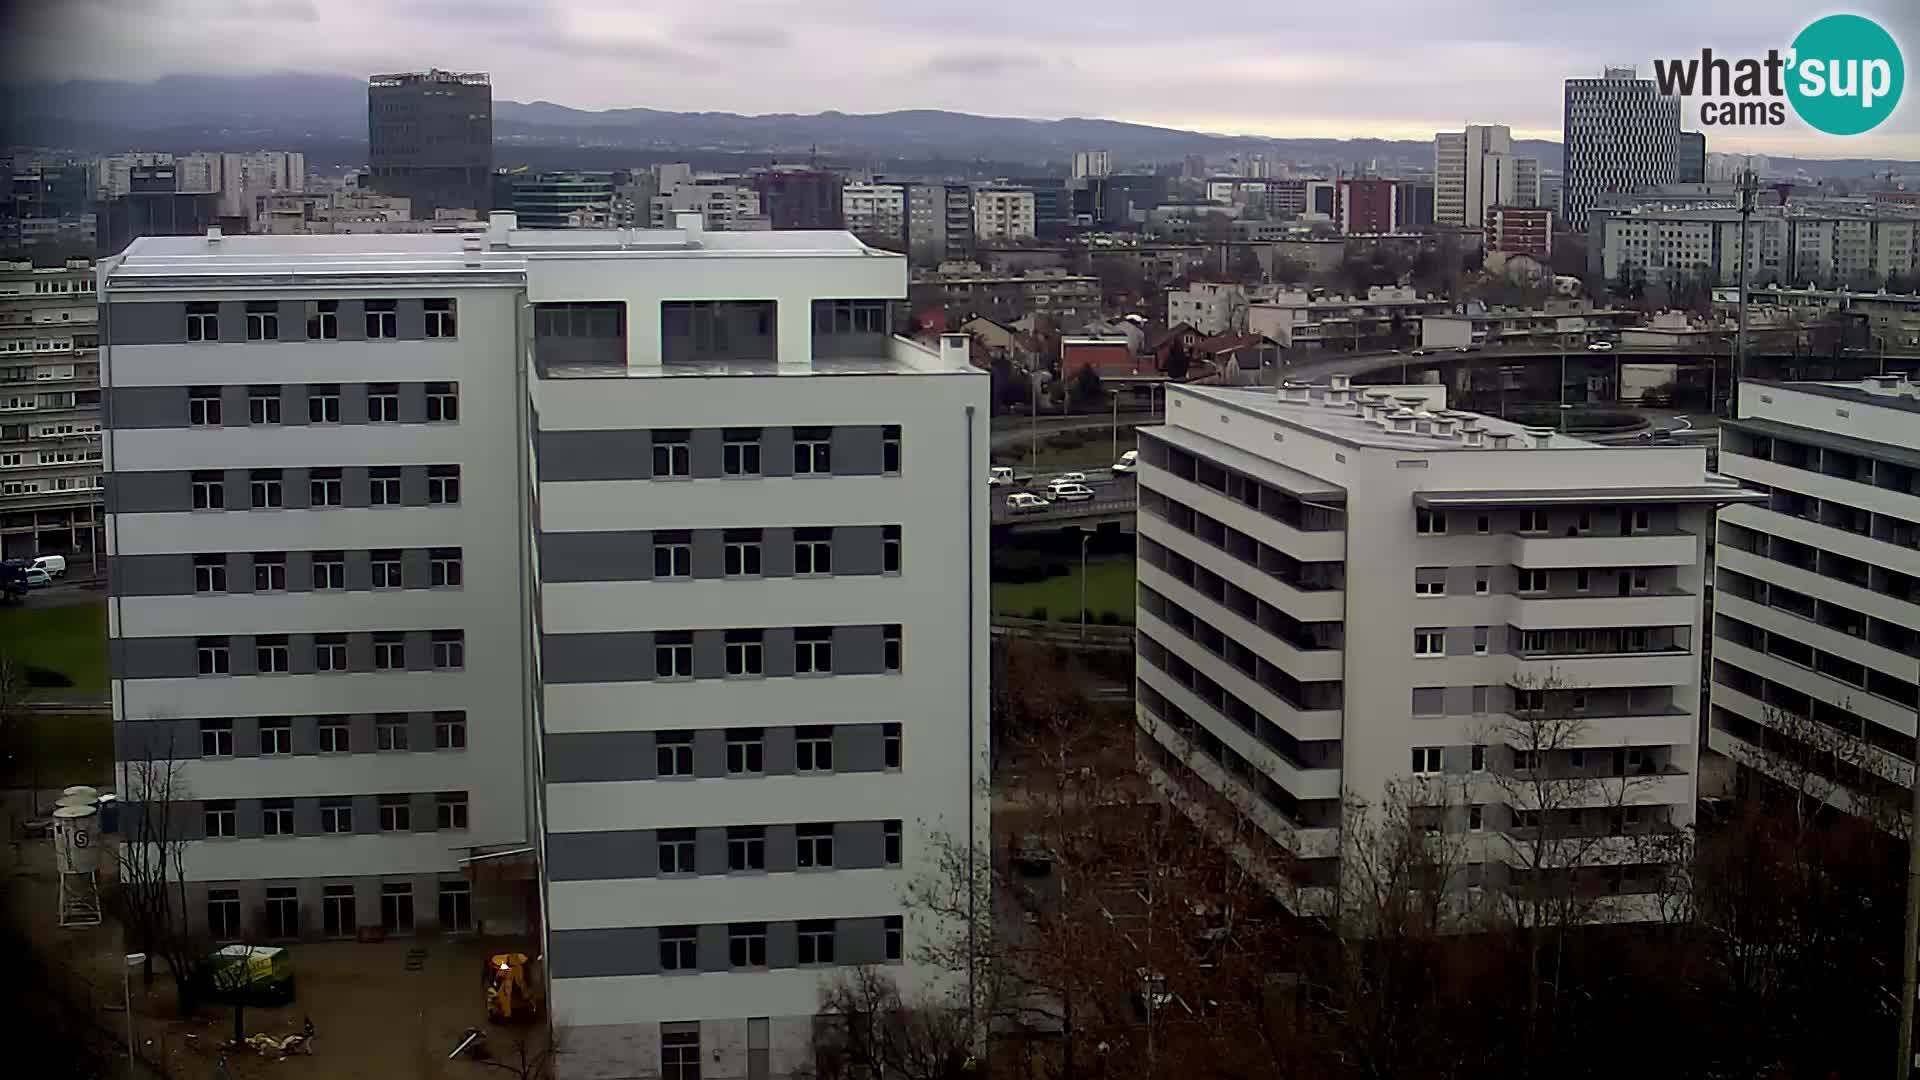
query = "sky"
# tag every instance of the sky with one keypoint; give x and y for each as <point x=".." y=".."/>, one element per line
<point x="1359" y="68"/>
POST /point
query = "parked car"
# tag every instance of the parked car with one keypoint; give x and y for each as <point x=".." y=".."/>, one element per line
<point x="1071" y="478"/>
<point x="54" y="565"/>
<point x="38" y="578"/>
<point x="1600" y="346"/>
<point x="1128" y="462"/>
<point x="1000" y="476"/>
<point x="1064" y="492"/>
<point x="13" y="580"/>
<point x="1419" y="352"/>
<point x="1025" y="502"/>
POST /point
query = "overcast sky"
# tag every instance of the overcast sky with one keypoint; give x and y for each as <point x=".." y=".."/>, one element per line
<point x="1387" y="68"/>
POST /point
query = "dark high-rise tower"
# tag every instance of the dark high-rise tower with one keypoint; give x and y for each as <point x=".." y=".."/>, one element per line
<point x="430" y="138"/>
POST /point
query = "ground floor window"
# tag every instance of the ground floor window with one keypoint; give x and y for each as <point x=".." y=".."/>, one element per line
<point x="283" y="912"/>
<point x="396" y="907"/>
<point x="456" y="906"/>
<point x="223" y="914"/>
<point x="337" y="914"/>
<point x="679" y="1052"/>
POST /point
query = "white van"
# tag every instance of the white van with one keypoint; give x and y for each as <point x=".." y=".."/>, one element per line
<point x="54" y="565"/>
<point x="1000" y="476"/>
<point x="1128" y="462"/>
<point x="1025" y="502"/>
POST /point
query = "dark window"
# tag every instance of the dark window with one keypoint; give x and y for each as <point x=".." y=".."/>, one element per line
<point x="680" y="1054"/>
<point x="214" y="655"/>
<point x="896" y="933"/>
<point x="330" y="652"/>
<point x="746" y="847"/>
<point x="740" y="452"/>
<point x="223" y="914"/>
<point x="396" y="813"/>
<point x="891" y="835"/>
<point x="203" y="406"/>
<point x="263" y="320"/>
<point x="746" y="654"/>
<point x="326" y="487"/>
<point x="383" y="403"/>
<point x="443" y="484"/>
<point x="323" y="320"/>
<point x="746" y="751"/>
<point x="672" y="554"/>
<point x="813" y="650"/>
<point x="383" y="319"/>
<point x="673" y="753"/>
<point x="209" y="491"/>
<point x="445" y="567"/>
<point x="890" y="449"/>
<point x="270" y="571"/>
<point x="450" y="810"/>
<point x="440" y="322"/>
<point x="450" y="731"/>
<point x="276" y="817"/>
<point x="747" y="945"/>
<point x="323" y="404"/>
<point x="676" y="851"/>
<point x="263" y="405"/>
<point x="383" y="486"/>
<point x="672" y="454"/>
<point x="890" y="745"/>
<point x="276" y="735"/>
<point x="216" y="738"/>
<point x="329" y="570"/>
<point x="742" y="552"/>
<point x="890" y="647"/>
<point x="813" y="749"/>
<point x="815" y="846"/>
<point x="816" y="941"/>
<point x="209" y="573"/>
<point x="203" y="322"/>
<point x="813" y="551"/>
<point x="812" y="450"/>
<point x="336" y="736"/>
<point x="673" y="655"/>
<point x="443" y="402"/>
<point x="263" y="485"/>
<point x="219" y="818"/>
<point x="890" y="549"/>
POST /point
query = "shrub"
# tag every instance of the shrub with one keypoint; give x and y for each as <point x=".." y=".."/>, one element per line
<point x="1038" y="614"/>
<point x="1110" y="618"/>
<point x="46" y="677"/>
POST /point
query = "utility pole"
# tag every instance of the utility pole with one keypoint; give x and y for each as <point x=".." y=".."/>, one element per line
<point x="1749" y="187"/>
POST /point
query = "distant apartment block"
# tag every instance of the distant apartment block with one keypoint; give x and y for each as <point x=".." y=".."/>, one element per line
<point x="430" y="139"/>
<point x="1344" y="589"/>
<point x="1365" y="206"/>
<point x="799" y="197"/>
<point x="724" y="204"/>
<point x="50" y="453"/>
<point x="964" y="290"/>
<point x="1001" y="215"/>
<point x="241" y="179"/>
<point x="876" y="212"/>
<point x="1092" y="163"/>
<point x="1477" y="168"/>
<point x="1856" y="245"/>
<point x="1520" y="230"/>
<point x="557" y="582"/>
<point x="1316" y="319"/>
<point x="1817" y="597"/>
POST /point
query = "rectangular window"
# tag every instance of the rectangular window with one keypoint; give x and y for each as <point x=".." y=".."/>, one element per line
<point x="440" y="322"/>
<point x="383" y="403"/>
<point x="1482" y="580"/>
<point x="1638" y="581"/>
<point x="263" y="487"/>
<point x="813" y="749"/>
<point x="1526" y="760"/>
<point x="219" y="818"/>
<point x="745" y="653"/>
<point x="1481" y="634"/>
<point x="890" y="647"/>
<point x="449" y="650"/>
<point x="1640" y="521"/>
<point x="812" y="551"/>
<point x="1533" y="581"/>
<point x="323" y="320"/>
<point x="214" y="655"/>
<point x="1583" y="580"/>
<point x="680" y="1053"/>
<point x="890" y="549"/>
<point x="336" y="735"/>
<point x="456" y="906"/>
<point x="450" y="810"/>
<point x="673" y="655"/>
<point x="443" y="402"/>
<point x="812" y="451"/>
<point x="203" y="406"/>
<point x="1533" y="521"/>
<point x="385" y="566"/>
<point x="740" y="453"/>
<point x="444" y="568"/>
<point x="449" y="731"/>
<point x="675" y="851"/>
<point x="325" y="487"/>
<point x="1479" y="758"/>
<point x="443" y="485"/>
<point x="815" y="846"/>
<point x="383" y="486"/>
<point x="263" y="321"/>
<point x="323" y="404"/>
<point x="742" y="552"/>
<point x="336" y="816"/>
<point x="813" y="650"/>
<point x="746" y="752"/>
<point x="276" y="817"/>
<point x="329" y="570"/>
<point x="890" y="449"/>
<point x="1482" y="524"/>
<point x="816" y="941"/>
<point x="283" y="910"/>
<point x="216" y="738"/>
<point x="263" y="405"/>
<point x="1429" y="523"/>
<point x="1429" y="642"/>
<point x="851" y="317"/>
<point x="209" y="491"/>
<point x="209" y="573"/>
<point x="672" y="454"/>
<point x="396" y="813"/>
<point x="672" y="554"/>
<point x="891" y="842"/>
<point x="1430" y="586"/>
<point x="396" y="907"/>
<point x="383" y="319"/>
<point x="747" y="945"/>
<point x="223" y="912"/>
<point x="276" y="735"/>
<point x="203" y="322"/>
<point x="1426" y="760"/>
<point x="270" y="571"/>
<point x="1476" y="818"/>
<point x="390" y="651"/>
<point x="896" y="932"/>
<point x="746" y="847"/>
<point x="890" y="745"/>
<point x="673" y="754"/>
<point x="336" y="911"/>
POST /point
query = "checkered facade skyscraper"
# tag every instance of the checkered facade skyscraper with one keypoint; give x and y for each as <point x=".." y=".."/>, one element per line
<point x="1620" y="133"/>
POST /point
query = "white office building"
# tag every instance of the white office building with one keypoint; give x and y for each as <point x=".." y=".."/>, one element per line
<point x="633" y="578"/>
<point x="1477" y="168"/>
<point x="1002" y="214"/>
<point x="1817" y="590"/>
<point x="1619" y="134"/>
<point x="1092" y="163"/>
<point x="1343" y="590"/>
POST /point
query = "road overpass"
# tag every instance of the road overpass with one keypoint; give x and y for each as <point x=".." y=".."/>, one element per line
<point x="1111" y="511"/>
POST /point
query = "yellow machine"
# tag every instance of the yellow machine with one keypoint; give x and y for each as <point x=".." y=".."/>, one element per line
<point x="511" y="994"/>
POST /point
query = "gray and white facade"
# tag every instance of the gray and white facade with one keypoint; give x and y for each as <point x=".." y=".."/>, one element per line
<point x="720" y="609"/>
<point x="1817" y="592"/>
<point x="1620" y="133"/>
<point x="50" y="451"/>
<point x="1341" y="592"/>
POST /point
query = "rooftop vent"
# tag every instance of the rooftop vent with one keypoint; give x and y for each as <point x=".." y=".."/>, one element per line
<point x="1500" y="439"/>
<point x="1295" y="391"/>
<point x="1473" y="436"/>
<point x="1402" y="420"/>
<point x="691" y="222"/>
<point x="1443" y="426"/>
<point x="213" y="234"/>
<point x="1340" y="382"/>
<point x="1885" y="382"/>
<point x="1541" y="436"/>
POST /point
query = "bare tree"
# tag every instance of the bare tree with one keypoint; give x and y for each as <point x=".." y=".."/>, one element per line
<point x="152" y="873"/>
<point x="865" y="1029"/>
<point x="532" y="1054"/>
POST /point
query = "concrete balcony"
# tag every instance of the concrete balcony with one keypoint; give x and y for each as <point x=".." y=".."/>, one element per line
<point x="1307" y="546"/>
<point x="1311" y="665"/>
<point x="1307" y="605"/>
<point x="1302" y="781"/>
<point x="1638" y="609"/>
<point x="1307" y="725"/>
<point x="1574" y="671"/>
<point x="1647" y="549"/>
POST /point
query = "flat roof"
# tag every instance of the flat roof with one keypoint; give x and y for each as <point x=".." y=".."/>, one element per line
<point x="1724" y="492"/>
<point x="1899" y="455"/>
<point x="1290" y="480"/>
<point x="1864" y="391"/>
<point x="1343" y="425"/>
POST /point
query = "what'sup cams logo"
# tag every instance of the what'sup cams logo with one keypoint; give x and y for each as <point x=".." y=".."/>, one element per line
<point x="1843" y="75"/>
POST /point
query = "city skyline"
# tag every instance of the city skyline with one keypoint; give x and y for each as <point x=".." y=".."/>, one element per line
<point x="1245" y="71"/>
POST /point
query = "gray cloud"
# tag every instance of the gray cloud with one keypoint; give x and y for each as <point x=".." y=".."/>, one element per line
<point x="980" y="63"/>
<point x="744" y="37"/>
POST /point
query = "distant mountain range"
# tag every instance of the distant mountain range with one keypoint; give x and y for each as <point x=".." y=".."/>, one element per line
<point x="326" y="116"/>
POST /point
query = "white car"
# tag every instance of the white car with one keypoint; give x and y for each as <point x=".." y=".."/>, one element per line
<point x="1059" y="491"/>
<point x="1071" y="478"/>
<point x="54" y="565"/>
<point x="1000" y="476"/>
<point x="38" y="578"/>
<point x="1600" y="346"/>
<point x="1025" y="502"/>
<point x="1128" y="462"/>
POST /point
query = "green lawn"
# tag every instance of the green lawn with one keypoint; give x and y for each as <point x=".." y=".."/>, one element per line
<point x="61" y="750"/>
<point x="70" y="639"/>
<point x="1109" y="588"/>
<point x="1096" y="452"/>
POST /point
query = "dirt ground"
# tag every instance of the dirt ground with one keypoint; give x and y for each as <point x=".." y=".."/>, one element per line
<point x="372" y="1016"/>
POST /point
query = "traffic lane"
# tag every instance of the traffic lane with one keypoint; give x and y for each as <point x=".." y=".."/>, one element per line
<point x="66" y="593"/>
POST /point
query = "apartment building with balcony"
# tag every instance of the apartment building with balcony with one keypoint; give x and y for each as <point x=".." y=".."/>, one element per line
<point x="50" y="453"/>
<point x="1341" y="591"/>
<point x="685" y="545"/>
<point x="1817" y="590"/>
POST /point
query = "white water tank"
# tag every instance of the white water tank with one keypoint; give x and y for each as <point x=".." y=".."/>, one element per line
<point x="80" y="789"/>
<point x="75" y="841"/>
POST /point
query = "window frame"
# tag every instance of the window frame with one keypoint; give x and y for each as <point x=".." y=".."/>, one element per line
<point x="449" y="730"/>
<point x="684" y="853"/>
<point x="216" y="733"/>
<point x="333" y="734"/>
<point x="813" y="451"/>
<point x="443" y="485"/>
<point x="1428" y="760"/>
<point x="1429" y="642"/>
<point x="329" y="571"/>
<point x="395" y="813"/>
<point x="383" y="403"/>
<point x="678" y="650"/>
<point x="748" y="748"/>
<point x="263" y="409"/>
<point x="745" y="654"/>
<point x="675" y="553"/>
<point x="813" y="650"/>
<point x="746" y="849"/>
<point x="813" y="846"/>
<point x="746" y="946"/>
<point x="382" y="320"/>
<point x="814" y="744"/>
<point x="736" y="448"/>
<point x="813" y="552"/>
<point x="814" y="942"/>
<point x="440" y="317"/>
<point x="673" y="755"/>
<point x="672" y="454"/>
<point x="449" y="650"/>
<point x="443" y="403"/>
<point x="446" y="568"/>
<point x="389" y="651"/>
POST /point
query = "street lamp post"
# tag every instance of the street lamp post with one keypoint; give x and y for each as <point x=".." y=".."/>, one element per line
<point x="134" y="960"/>
<point x="1084" y="537"/>
<point x="1116" y="424"/>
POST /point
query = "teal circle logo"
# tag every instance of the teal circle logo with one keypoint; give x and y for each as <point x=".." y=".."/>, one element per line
<point x="1846" y="75"/>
